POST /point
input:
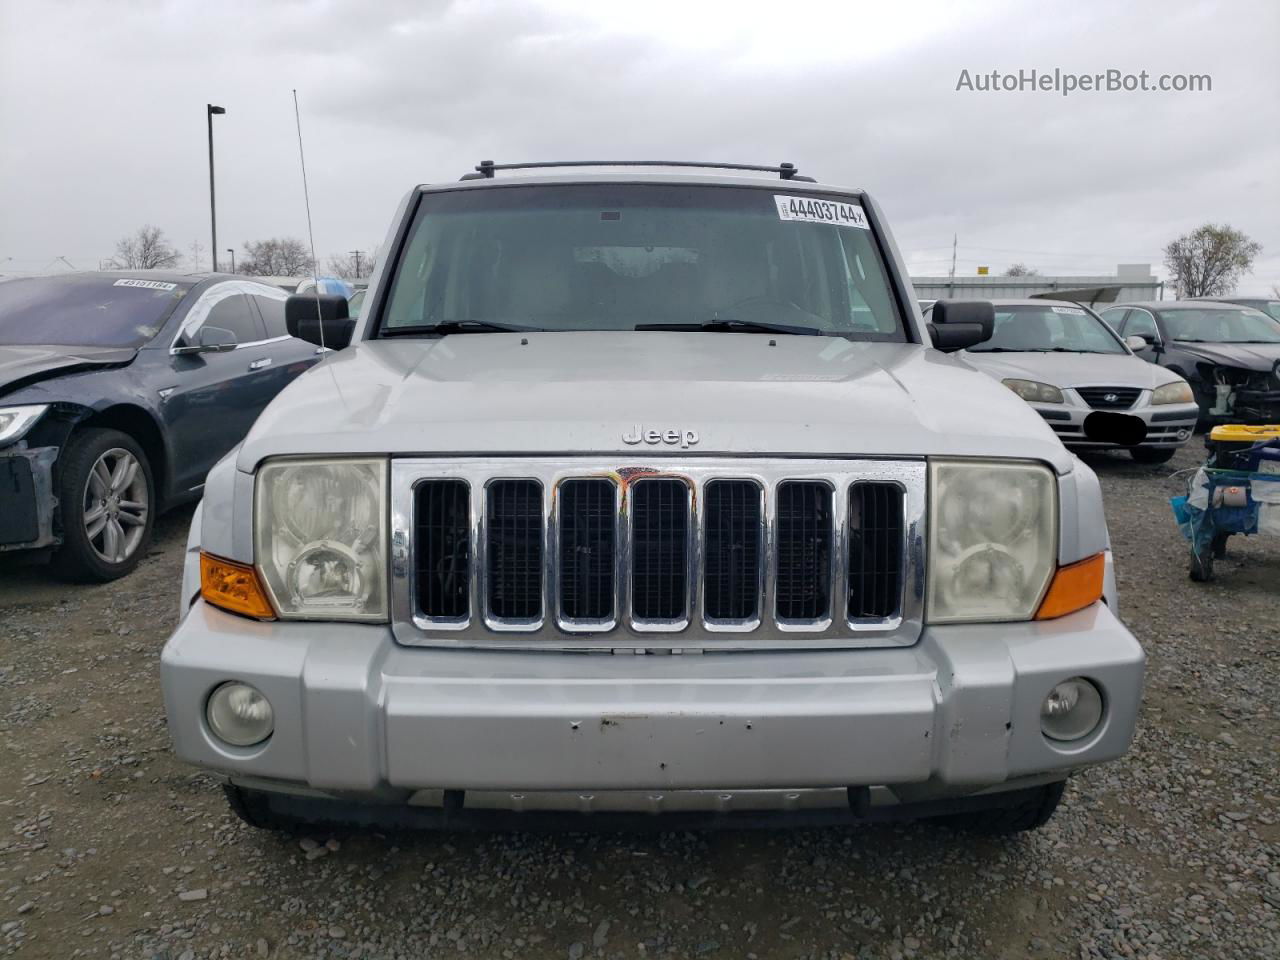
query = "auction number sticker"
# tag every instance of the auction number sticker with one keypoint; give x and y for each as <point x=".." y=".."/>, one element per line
<point x="811" y="210"/>
<point x="1070" y="311"/>
<point x="146" y="284"/>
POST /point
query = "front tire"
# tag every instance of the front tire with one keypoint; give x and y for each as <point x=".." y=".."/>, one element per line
<point x="106" y="500"/>
<point x="1030" y="812"/>
<point x="1153" y="454"/>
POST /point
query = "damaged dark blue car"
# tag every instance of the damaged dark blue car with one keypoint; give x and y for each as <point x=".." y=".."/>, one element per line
<point x="118" y="392"/>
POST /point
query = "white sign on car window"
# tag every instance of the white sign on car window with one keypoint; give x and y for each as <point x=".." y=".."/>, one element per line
<point x="813" y="210"/>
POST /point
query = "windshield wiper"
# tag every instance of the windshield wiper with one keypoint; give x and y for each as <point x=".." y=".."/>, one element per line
<point x="728" y="325"/>
<point x="457" y="326"/>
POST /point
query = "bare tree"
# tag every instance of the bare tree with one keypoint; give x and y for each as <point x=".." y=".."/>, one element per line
<point x="145" y="249"/>
<point x="353" y="265"/>
<point x="1208" y="261"/>
<point x="1021" y="270"/>
<point x="277" y="257"/>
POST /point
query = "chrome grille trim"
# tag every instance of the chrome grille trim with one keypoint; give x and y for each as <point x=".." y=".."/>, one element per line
<point x="695" y="632"/>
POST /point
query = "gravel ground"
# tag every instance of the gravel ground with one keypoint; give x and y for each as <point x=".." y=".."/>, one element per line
<point x="114" y="849"/>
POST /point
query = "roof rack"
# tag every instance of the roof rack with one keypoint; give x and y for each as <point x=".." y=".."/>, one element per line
<point x="486" y="168"/>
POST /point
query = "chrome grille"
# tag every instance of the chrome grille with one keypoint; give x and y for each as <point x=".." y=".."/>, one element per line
<point x="875" y="550"/>
<point x="803" y="590"/>
<point x="1109" y="398"/>
<point x="588" y="548"/>
<point x="443" y="531"/>
<point x="733" y="532"/>
<point x="689" y="554"/>
<point x="513" y="550"/>
<point x="659" y="550"/>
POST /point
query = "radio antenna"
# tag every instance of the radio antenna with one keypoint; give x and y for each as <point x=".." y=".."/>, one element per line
<point x="311" y="237"/>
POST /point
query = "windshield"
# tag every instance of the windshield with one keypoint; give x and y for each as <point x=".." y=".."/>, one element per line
<point x="1056" y="327"/>
<point x="85" y="311"/>
<point x="618" y="256"/>
<point x="1221" y="325"/>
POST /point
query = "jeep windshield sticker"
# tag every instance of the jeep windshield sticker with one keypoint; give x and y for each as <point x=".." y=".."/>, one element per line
<point x="146" y="284"/>
<point x="811" y="210"/>
<point x="1072" y="311"/>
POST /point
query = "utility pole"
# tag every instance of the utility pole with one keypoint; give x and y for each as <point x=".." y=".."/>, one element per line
<point x="210" y="112"/>
<point x="955" y="238"/>
<point x="356" y="254"/>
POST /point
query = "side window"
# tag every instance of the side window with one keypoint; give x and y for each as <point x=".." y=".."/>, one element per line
<point x="233" y="313"/>
<point x="1114" y="318"/>
<point x="1141" y="324"/>
<point x="272" y="311"/>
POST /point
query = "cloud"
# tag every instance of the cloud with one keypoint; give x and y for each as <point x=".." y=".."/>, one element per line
<point x="108" y="130"/>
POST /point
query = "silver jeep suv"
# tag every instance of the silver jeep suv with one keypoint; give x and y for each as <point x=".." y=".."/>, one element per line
<point x="645" y="492"/>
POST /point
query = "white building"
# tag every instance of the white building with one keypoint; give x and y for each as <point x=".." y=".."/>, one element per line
<point x="1131" y="281"/>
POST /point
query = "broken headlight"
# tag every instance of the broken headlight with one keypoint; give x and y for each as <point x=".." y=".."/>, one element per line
<point x="993" y="534"/>
<point x="16" y="421"/>
<point x="320" y="532"/>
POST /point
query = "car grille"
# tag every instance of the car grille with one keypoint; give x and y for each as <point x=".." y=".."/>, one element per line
<point x="587" y="555"/>
<point x="1109" y="398"/>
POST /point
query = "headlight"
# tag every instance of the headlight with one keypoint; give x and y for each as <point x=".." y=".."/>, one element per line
<point x="992" y="539"/>
<point x="16" y="421"/>
<point x="320" y="532"/>
<point x="1177" y="392"/>
<point x="1037" y="392"/>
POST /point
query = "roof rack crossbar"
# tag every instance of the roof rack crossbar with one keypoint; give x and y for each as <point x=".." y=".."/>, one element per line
<point x="486" y="168"/>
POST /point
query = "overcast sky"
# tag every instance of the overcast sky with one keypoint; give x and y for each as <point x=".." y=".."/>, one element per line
<point x="102" y="115"/>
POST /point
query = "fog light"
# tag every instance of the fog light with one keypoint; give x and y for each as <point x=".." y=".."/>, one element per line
<point x="1071" y="710"/>
<point x="240" y="715"/>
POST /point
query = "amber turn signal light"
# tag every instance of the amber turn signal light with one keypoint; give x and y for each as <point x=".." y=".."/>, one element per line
<point x="234" y="587"/>
<point x="1074" y="587"/>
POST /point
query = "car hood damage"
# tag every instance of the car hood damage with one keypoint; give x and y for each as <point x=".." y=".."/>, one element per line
<point x="582" y="393"/>
<point x="21" y="366"/>
<point x="1245" y="356"/>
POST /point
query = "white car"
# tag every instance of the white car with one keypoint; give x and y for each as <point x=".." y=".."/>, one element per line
<point x="1069" y="365"/>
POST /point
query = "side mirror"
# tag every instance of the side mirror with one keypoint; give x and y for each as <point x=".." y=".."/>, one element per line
<point x="322" y="319"/>
<point x="1136" y="342"/>
<point x="958" y="324"/>
<point x="209" y="340"/>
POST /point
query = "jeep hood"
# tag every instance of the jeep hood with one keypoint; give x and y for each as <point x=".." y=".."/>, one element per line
<point x="579" y="393"/>
<point x="24" y="365"/>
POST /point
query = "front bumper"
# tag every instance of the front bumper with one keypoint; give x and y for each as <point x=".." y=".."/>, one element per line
<point x="358" y="716"/>
<point x="1168" y="425"/>
<point x="26" y="498"/>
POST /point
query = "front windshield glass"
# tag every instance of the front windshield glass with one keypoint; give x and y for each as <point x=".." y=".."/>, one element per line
<point x="1221" y="325"/>
<point x="1053" y="327"/>
<point x="80" y="311"/>
<point x="614" y="256"/>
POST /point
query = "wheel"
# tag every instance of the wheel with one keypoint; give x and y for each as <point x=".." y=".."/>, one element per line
<point x="1201" y="569"/>
<point x="1032" y="810"/>
<point x="254" y="808"/>
<point x="1153" y="454"/>
<point x="106" y="498"/>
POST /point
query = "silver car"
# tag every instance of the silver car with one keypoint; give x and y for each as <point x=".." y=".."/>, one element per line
<point x="647" y="494"/>
<point x="1069" y="364"/>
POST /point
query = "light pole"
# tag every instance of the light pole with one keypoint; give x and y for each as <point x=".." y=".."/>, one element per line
<point x="231" y="250"/>
<point x="210" y="110"/>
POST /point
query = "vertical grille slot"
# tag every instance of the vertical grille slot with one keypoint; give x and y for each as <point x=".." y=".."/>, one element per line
<point x="731" y="555"/>
<point x="588" y="547"/>
<point x="659" y="549"/>
<point x="875" y="550"/>
<point x="803" y="588"/>
<point x="513" y="549"/>
<point x="443" y="556"/>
